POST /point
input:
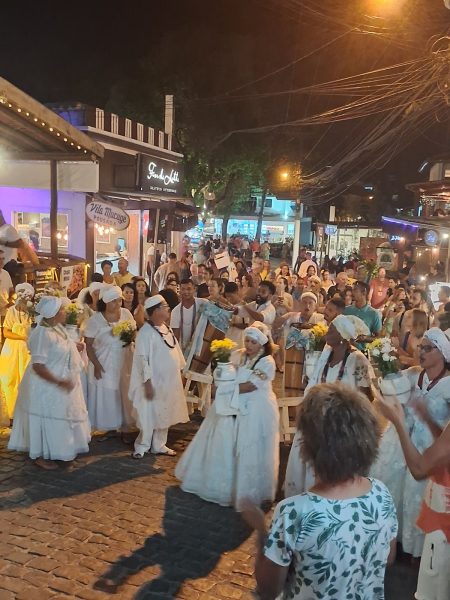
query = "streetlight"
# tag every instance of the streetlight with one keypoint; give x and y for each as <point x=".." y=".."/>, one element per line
<point x="285" y="175"/>
<point x="386" y="7"/>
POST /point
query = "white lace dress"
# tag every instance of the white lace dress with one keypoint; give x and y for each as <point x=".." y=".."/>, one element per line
<point x="358" y="373"/>
<point x="258" y="434"/>
<point x="107" y="399"/>
<point x="50" y="422"/>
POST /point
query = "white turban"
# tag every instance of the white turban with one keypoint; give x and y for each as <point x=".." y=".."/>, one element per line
<point x="440" y="340"/>
<point x="254" y="333"/>
<point x="95" y="286"/>
<point x="350" y="327"/>
<point x="81" y="298"/>
<point x="309" y="295"/>
<point x="154" y="301"/>
<point x="26" y="288"/>
<point x="108" y="293"/>
<point x="48" y="306"/>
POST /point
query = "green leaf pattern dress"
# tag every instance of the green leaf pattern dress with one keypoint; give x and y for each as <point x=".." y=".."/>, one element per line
<point x="336" y="549"/>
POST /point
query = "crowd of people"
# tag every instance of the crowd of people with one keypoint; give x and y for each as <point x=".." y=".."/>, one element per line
<point x="351" y="486"/>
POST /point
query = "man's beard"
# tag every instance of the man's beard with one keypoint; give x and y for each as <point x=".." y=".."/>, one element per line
<point x="260" y="300"/>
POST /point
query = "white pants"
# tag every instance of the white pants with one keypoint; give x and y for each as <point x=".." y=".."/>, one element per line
<point x="434" y="573"/>
<point x="154" y="439"/>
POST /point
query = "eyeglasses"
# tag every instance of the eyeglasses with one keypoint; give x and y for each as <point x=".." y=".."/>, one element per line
<point x="427" y="348"/>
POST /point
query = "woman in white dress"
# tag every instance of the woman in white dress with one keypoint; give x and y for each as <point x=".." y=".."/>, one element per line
<point x="257" y="423"/>
<point x="340" y="362"/>
<point x="14" y="357"/>
<point x="51" y="420"/>
<point x="156" y="387"/>
<point x="108" y="403"/>
<point x="427" y="413"/>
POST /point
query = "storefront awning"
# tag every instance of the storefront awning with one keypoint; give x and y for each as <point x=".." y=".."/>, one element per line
<point x="139" y="201"/>
<point x="31" y="131"/>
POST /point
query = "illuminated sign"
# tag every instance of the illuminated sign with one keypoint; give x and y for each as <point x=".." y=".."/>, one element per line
<point x="431" y="237"/>
<point x="161" y="176"/>
<point x="331" y="229"/>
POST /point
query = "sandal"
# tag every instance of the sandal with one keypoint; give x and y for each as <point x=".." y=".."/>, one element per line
<point x="137" y="455"/>
<point x="166" y="452"/>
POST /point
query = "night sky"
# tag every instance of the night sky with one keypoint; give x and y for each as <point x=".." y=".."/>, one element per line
<point x="91" y="51"/>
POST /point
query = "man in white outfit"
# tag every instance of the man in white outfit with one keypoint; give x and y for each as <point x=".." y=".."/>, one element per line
<point x="156" y="387"/>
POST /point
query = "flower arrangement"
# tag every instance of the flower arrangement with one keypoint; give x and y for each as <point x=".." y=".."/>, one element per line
<point x="317" y="337"/>
<point x="221" y="350"/>
<point x="384" y="355"/>
<point x="125" y="331"/>
<point x="72" y="313"/>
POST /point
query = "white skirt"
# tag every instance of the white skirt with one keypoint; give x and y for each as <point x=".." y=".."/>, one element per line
<point x="48" y="422"/>
<point x="104" y="407"/>
<point x="258" y="452"/>
<point x="208" y="465"/>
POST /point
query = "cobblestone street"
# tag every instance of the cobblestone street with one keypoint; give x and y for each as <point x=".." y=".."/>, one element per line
<point x="61" y="531"/>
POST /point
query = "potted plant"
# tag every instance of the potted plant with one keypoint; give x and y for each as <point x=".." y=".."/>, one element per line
<point x="392" y="382"/>
<point x="315" y="346"/>
<point x="72" y="315"/>
<point x="221" y="351"/>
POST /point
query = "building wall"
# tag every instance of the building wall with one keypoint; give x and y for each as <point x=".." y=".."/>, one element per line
<point x="13" y="200"/>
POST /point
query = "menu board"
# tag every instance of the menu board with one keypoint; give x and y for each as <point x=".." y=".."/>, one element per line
<point x="72" y="279"/>
<point x="43" y="277"/>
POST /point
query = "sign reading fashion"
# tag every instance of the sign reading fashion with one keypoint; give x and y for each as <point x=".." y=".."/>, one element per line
<point x="161" y="176"/>
<point x="107" y="214"/>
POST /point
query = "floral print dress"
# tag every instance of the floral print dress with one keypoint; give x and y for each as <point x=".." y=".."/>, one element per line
<point x="335" y="549"/>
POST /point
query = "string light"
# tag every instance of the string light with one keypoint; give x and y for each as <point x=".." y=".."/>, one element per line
<point x="20" y="110"/>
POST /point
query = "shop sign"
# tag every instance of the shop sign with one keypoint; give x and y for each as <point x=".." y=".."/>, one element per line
<point x="331" y="229"/>
<point x="160" y="176"/>
<point x="107" y="214"/>
<point x="431" y="237"/>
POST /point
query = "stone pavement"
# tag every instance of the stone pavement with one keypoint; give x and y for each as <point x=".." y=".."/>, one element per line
<point x="60" y="531"/>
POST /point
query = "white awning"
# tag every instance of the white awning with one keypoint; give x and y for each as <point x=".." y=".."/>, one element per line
<point x="73" y="176"/>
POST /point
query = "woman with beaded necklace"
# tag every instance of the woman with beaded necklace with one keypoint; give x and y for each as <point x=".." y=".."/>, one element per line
<point x="156" y="387"/>
<point x="340" y="362"/>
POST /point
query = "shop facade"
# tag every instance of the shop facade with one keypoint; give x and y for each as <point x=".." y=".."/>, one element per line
<point x="135" y="198"/>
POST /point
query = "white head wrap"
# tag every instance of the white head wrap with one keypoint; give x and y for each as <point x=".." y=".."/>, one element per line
<point x="26" y="288"/>
<point x="154" y="301"/>
<point x="95" y="286"/>
<point x="350" y="327"/>
<point x="108" y="293"/>
<point x="254" y="333"/>
<point x="81" y="298"/>
<point x="314" y="278"/>
<point x="309" y="295"/>
<point x="440" y="340"/>
<point x="48" y="306"/>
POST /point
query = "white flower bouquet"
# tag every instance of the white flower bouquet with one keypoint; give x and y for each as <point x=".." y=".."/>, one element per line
<point x="384" y="355"/>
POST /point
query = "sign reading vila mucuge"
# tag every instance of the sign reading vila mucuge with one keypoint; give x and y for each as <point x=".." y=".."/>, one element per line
<point x="107" y="214"/>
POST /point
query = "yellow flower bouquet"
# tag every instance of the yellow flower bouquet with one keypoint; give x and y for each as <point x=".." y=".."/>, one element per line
<point x="125" y="331"/>
<point x="317" y="337"/>
<point x="221" y="349"/>
<point x="72" y="314"/>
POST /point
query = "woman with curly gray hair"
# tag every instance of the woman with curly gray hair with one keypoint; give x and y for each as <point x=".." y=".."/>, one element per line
<point x="335" y="540"/>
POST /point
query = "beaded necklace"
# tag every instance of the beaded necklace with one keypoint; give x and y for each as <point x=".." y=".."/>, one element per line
<point x="432" y="383"/>
<point x="174" y="340"/>
<point x="341" y="370"/>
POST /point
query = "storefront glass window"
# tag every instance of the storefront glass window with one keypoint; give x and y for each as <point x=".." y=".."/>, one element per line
<point x="34" y="227"/>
